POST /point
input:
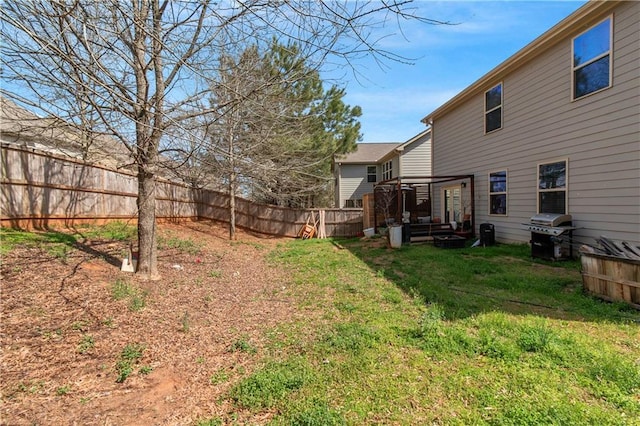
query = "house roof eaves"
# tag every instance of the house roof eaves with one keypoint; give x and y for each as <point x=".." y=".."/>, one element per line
<point x="413" y="139"/>
<point x="381" y="151"/>
<point x="554" y="35"/>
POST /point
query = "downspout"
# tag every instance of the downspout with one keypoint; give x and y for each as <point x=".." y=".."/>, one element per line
<point x="338" y="180"/>
<point x="375" y="210"/>
<point x="399" y="198"/>
<point x="473" y="205"/>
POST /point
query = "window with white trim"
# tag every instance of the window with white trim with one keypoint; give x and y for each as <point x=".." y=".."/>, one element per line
<point x="353" y="203"/>
<point x="372" y="174"/>
<point x="591" y="54"/>
<point x="493" y="109"/>
<point x="498" y="193"/>
<point x="552" y="187"/>
<point x="387" y="170"/>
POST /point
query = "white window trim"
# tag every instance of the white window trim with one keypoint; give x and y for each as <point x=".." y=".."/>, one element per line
<point x="501" y="105"/>
<point x="357" y="203"/>
<point x="375" y="173"/>
<point x="387" y="170"/>
<point x="608" y="53"/>
<point x="461" y="211"/>
<point x="506" y="193"/>
<point x="566" y="183"/>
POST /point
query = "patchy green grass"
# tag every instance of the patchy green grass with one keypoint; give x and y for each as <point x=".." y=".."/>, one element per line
<point x="57" y="244"/>
<point x="243" y="345"/>
<point x="468" y="336"/>
<point x="273" y="384"/>
<point x="122" y="289"/>
<point x="129" y="358"/>
<point x="113" y="231"/>
<point x="169" y="241"/>
<point x="87" y="343"/>
<point x="63" y="390"/>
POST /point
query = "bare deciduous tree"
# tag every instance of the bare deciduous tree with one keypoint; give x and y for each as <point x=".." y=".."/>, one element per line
<point x="134" y="71"/>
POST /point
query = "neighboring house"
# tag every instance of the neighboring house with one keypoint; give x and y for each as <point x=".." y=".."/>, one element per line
<point x="357" y="173"/>
<point x="21" y="127"/>
<point x="553" y="129"/>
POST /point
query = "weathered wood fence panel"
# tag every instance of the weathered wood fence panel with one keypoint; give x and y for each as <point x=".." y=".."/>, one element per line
<point x="39" y="188"/>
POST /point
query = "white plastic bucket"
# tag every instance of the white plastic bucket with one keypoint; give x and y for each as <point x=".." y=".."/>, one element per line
<point x="369" y="232"/>
<point x="395" y="236"/>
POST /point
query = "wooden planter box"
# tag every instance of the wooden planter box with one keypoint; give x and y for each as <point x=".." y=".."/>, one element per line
<point x="611" y="278"/>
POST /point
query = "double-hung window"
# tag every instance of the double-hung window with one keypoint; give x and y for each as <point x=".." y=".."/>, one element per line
<point x="353" y="203"/>
<point x="387" y="170"/>
<point x="498" y="192"/>
<point x="493" y="109"/>
<point x="372" y="174"/>
<point x="591" y="53"/>
<point x="552" y="187"/>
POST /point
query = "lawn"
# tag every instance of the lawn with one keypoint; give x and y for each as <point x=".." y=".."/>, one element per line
<point x="423" y="335"/>
<point x="310" y="332"/>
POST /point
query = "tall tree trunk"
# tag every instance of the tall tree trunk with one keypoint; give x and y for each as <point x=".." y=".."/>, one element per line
<point x="232" y="186"/>
<point x="148" y="256"/>
<point x="149" y="128"/>
<point x="232" y="208"/>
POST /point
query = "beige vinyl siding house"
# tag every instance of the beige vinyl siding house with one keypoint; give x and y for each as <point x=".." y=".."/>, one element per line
<point x="591" y="142"/>
<point x="351" y="171"/>
<point x="414" y="156"/>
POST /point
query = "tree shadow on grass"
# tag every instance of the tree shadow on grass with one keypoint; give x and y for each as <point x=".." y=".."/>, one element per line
<point x="504" y="278"/>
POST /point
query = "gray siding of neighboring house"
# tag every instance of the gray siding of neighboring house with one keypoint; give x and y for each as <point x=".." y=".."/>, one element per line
<point x="415" y="160"/>
<point x="395" y="172"/>
<point x="353" y="182"/>
<point x="599" y="136"/>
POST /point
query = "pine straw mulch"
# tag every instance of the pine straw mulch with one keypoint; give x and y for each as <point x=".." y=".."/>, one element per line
<point x="203" y="304"/>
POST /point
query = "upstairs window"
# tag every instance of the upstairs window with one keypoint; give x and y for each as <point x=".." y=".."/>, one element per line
<point x="552" y="187"/>
<point x="387" y="170"/>
<point x="493" y="109"/>
<point x="498" y="193"/>
<point x="372" y="174"/>
<point x="591" y="52"/>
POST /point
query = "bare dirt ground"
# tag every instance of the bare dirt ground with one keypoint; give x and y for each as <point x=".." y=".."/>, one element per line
<point x="63" y="332"/>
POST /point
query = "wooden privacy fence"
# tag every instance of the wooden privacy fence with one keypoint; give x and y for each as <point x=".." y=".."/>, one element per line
<point x="40" y="189"/>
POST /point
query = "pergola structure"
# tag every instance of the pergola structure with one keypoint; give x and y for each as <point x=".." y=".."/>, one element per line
<point x="400" y="196"/>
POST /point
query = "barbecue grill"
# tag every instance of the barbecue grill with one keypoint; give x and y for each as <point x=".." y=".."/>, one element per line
<point x="551" y="236"/>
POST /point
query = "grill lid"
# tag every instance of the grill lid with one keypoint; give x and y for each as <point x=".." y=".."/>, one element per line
<point x="550" y="219"/>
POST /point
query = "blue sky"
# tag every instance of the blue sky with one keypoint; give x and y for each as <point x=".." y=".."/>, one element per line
<point x="449" y="58"/>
